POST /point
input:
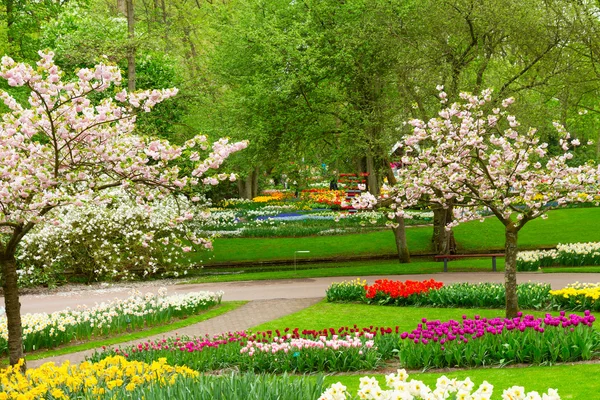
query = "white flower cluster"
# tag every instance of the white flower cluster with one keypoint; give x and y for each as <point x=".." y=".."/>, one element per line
<point x="220" y="218"/>
<point x="569" y="254"/>
<point x="582" y="286"/>
<point x="105" y="314"/>
<point x="403" y="389"/>
<point x="111" y="240"/>
<point x="270" y="210"/>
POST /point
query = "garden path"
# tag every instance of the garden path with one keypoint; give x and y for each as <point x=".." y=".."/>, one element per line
<point x="271" y="289"/>
<point x="268" y="300"/>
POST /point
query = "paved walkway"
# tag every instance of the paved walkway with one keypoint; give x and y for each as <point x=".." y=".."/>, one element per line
<point x="277" y="289"/>
<point x="268" y="300"/>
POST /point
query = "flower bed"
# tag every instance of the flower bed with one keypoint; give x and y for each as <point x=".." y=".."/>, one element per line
<point x="568" y="255"/>
<point x="114" y="376"/>
<point x="401" y="388"/>
<point x="385" y="291"/>
<point x="578" y="296"/>
<point x="324" y="196"/>
<point x="136" y="312"/>
<point x="434" y="294"/>
<point x="118" y="378"/>
<point x="481" y="341"/>
<point x="291" y="350"/>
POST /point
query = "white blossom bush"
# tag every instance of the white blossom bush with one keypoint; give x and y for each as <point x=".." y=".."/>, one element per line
<point x="400" y="388"/>
<point x="91" y="241"/>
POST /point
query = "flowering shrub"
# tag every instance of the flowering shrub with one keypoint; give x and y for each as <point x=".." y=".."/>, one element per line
<point x="569" y="255"/>
<point x="89" y="241"/>
<point x="577" y="296"/>
<point x="385" y="291"/>
<point x="112" y="376"/>
<point x="482" y="341"/>
<point x="401" y="388"/>
<point x="136" y="312"/>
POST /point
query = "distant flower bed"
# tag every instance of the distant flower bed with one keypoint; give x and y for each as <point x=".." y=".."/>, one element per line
<point x="435" y="294"/>
<point x="568" y="255"/>
<point x="324" y="196"/>
<point x="401" y="388"/>
<point x="44" y="330"/>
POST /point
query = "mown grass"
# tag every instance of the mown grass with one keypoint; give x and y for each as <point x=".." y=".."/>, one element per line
<point x="334" y="315"/>
<point x="346" y="268"/>
<point x="573" y="381"/>
<point x="562" y="226"/>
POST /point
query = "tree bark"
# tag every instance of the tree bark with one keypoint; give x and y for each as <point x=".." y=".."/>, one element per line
<point x="254" y="188"/>
<point x="401" y="245"/>
<point x="121" y="7"/>
<point x="13" y="307"/>
<point x="510" y="271"/>
<point x="443" y="240"/>
<point x="10" y="20"/>
<point x="130" y="47"/>
<point x="372" y="180"/>
<point x="248" y="186"/>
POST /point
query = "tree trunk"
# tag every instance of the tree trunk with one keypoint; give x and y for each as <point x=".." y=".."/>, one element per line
<point x="443" y="240"/>
<point x="248" y="187"/>
<point x="241" y="184"/>
<point x="254" y="188"/>
<point x="372" y="180"/>
<point x="13" y="307"/>
<point x="130" y="47"/>
<point x="165" y="25"/>
<point x="121" y="7"/>
<point x="510" y="271"/>
<point x="10" y="20"/>
<point x="401" y="246"/>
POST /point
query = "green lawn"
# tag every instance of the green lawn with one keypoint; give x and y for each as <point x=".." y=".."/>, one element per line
<point x="576" y="381"/>
<point x="346" y="268"/>
<point x="334" y="315"/>
<point x="562" y="226"/>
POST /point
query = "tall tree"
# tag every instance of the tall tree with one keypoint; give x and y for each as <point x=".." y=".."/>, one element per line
<point x="480" y="158"/>
<point x="65" y="149"/>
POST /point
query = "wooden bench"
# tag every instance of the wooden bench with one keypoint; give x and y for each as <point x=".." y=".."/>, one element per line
<point x="447" y="257"/>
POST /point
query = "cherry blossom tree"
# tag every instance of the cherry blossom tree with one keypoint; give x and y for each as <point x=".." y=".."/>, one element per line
<point x="475" y="159"/>
<point x="65" y="149"/>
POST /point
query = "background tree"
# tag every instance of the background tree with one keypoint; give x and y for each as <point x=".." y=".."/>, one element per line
<point x="67" y="149"/>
